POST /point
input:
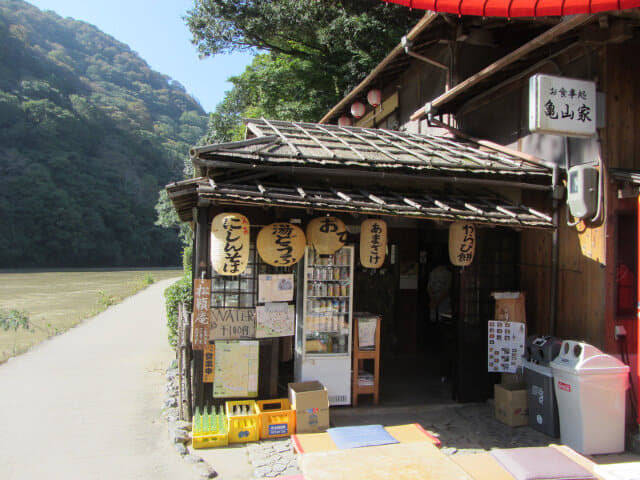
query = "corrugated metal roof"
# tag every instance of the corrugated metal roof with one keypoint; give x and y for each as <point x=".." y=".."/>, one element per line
<point x="295" y="143"/>
<point x="486" y="208"/>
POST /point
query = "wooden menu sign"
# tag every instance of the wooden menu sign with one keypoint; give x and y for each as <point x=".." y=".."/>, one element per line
<point x="281" y="244"/>
<point x="201" y="313"/>
<point x="230" y="243"/>
<point x="233" y="323"/>
<point x="462" y="243"/>
<point x="373" y="243"/>
<point x="326" y="234"/>
<point x="208" y="371"/>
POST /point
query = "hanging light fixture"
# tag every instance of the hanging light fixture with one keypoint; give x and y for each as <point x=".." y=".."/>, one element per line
<point x="357" y="109"/>
<point x="345" y="121"/>
<point x="374" y="97"/>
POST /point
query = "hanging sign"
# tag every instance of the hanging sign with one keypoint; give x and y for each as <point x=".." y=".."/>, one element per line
<point x="208" y="372"/>
<point x="373" y="242"/>
<point x="281" y="244"/>
<point x="233" y="323"/>
<point x="201" y="313"/>
<point x="562" y="106"/>
<point x="230" y="243"/>
<point x="327" y="234"/>
<point x="462" y="243"/>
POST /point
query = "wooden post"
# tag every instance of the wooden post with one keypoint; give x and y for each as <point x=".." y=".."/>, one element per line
<point x="201" y="263"/>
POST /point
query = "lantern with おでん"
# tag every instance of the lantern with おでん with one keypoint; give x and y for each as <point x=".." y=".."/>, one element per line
<point x="357" y="109"/>
<point x="374" y="97"/>
<point x="462" y="243"/>
<point x="327" y="235"/>
<point x="230" y="243"/>
<point x="281" y="244"/>
<point x="373" y="242"/>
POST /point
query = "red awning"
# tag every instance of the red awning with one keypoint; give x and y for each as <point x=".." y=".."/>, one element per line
<point x="518" y="8"/>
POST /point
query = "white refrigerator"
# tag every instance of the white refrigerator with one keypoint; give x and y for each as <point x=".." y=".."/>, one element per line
<point x="324" y="322"/>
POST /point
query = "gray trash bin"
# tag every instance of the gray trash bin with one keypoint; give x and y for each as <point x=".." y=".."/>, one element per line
<point x="538" y="376"/>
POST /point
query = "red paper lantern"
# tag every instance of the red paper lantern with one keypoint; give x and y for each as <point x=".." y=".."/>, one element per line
<point x="374" y="97"/>
<point x="345" y="121"/>
<point x="357" y="109"/>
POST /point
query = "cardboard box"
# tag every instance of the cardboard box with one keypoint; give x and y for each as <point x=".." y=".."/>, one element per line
<point x="510" y="307"/>
<point x="511" y="404"/>
<point x="310" y="400"/>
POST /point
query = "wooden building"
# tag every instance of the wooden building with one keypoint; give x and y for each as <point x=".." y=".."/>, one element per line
<point x="472" y="73"/>
<point x="450" y="142"/>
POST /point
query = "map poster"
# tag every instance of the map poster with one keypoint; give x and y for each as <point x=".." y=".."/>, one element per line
<point x="233" y="323"/>
<point x="275" y="288"/>
<point x="201" y="313"/>
<point x="275" y="320"/>
<point x="506" y="346"/>
<point x="236" y="369"/>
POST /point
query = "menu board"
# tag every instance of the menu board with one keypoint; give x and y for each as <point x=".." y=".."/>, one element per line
<point x="505" y="346"/>
<point x="275" y="288"/>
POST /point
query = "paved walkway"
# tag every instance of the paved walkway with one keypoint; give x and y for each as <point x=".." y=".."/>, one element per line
<point x="87" y="404"/>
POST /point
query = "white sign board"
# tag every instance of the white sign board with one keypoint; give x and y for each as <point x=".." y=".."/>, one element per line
<point x="275" y="288"/>
<point x="275" y="320"/>
<point x="562" y="106"/>
<point x="505" y="346"/>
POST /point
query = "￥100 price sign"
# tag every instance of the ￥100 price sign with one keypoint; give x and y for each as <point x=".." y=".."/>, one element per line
<point x="562" y="106"/>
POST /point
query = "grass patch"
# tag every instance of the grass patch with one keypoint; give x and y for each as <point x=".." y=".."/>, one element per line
<point x="54" y="301"/>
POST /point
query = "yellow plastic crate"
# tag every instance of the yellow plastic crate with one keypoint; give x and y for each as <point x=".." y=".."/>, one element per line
<point x="277" y="419"/>
<point x="209" y="429"/>
<point x="243" y="427"/>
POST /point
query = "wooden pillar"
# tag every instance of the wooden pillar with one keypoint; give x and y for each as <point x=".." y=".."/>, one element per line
<point x="201" y="270"/>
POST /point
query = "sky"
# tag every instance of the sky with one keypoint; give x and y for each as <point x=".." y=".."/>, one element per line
<point x="155" y="30"/>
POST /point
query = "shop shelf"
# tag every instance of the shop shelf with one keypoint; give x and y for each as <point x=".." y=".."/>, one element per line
<point x="243" y="427"/>
<point x="209" y="429"/>
<point x="277" y="419"/>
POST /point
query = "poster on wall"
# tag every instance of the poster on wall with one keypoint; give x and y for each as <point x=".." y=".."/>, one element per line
<point x="275" y="320"/>
<point x="233" y="323"/>
<point x="236" y="369"/>
<point x="230" y="243"/>
<point x="201" y="313"/>
<point x="275" y="288"/>
<point x="505" y="346"/>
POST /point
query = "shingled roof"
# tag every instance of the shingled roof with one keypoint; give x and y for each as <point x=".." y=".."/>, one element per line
<point x="307" y="144"/>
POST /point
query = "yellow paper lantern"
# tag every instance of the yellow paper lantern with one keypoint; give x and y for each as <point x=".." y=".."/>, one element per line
<point x="373" y="242"/>
<point x="281" y="244"/>
<point x="462" y="243"/>
<point x="327" y="234"/>
<point x="230" y="243"/>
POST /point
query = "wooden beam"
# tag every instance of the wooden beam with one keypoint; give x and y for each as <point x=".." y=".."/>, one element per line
<point x="427" y="20"/>
<point x="565" y="26"/>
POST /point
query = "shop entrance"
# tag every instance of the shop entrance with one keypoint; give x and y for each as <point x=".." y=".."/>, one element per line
<point x="434" y="315"/>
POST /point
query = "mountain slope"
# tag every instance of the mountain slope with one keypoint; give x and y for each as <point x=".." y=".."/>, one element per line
<point x="88" y="135"/>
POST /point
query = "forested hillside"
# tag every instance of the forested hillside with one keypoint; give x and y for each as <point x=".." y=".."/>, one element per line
<point x="88" y="136"/>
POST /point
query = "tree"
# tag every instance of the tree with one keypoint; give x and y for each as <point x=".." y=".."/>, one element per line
<point x="342" y="39"/>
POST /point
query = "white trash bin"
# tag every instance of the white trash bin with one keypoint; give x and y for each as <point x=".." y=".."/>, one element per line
<point x="591" y="390"/>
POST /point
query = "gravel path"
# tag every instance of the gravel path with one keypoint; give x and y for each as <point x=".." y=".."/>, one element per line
<point x="87" y="404"/>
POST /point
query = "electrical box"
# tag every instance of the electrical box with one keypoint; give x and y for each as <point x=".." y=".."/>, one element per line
<point x="583" y="191"/>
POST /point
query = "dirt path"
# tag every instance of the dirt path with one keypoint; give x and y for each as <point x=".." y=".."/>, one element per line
<point x="87" y="404"/>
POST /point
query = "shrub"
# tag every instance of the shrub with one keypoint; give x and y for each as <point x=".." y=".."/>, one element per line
<point x="178" y="292"/>
<point x="13" y="320"/>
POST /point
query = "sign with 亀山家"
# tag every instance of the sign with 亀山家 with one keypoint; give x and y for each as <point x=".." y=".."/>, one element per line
<point x="233" y="323"/>
<point x="562" y="106"/>
<point x="201" y="313"/>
